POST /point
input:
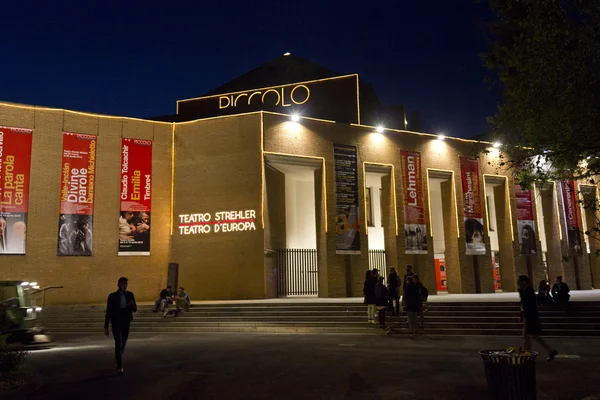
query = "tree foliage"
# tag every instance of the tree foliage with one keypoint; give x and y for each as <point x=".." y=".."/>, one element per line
<point x="545" y="56"/>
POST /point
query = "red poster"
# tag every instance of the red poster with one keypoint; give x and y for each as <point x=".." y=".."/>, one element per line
<point x="414" y="203"/>
<point x="78" y="175"/>
<point x="15" y="164"/>
<point x="136" y="196"/>
<point x="525" y="221"/>
<point x="473" y="217"/>
<point x="571" y="210"/>
<point x="497" y="277"/>
<point x="440" y="274"/>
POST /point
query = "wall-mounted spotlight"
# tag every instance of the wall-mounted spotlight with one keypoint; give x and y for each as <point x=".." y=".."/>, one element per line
<point x="379" y="129"/>
<point x="295" y="117"/>
<point x="497" y="145"/>
<point x="441" y="136"/>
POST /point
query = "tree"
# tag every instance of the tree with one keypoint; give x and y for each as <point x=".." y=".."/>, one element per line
<point x="545" y="56"/>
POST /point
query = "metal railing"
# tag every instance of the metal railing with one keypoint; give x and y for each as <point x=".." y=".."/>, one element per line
<point x="297" y="273"/>
<point x="377" y="260"/>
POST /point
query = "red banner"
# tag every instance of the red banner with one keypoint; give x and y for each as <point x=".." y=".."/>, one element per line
<point x="78" y="175"/>
<point x="15" y="164"/>
<point x="571" y="209"/>
<point x="525" y="221"/>
<point x="414" y="203"/>
<point x="136" y="196"/>
<point x="472" y="206"/>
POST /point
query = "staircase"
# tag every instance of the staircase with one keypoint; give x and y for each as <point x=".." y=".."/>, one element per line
<point x="466" y="318"/>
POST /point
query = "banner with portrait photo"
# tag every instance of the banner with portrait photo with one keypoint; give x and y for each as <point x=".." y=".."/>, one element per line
<point x="525" y="221"/>
<point x="136" y="193"/>
<point x="414" y="203"/>
<point x="15" y="165"/>
<point x="78" y="176"/>
<point x="571" y="210"/>
<point x="473" y="216"/>
<point x="346" y="200"/>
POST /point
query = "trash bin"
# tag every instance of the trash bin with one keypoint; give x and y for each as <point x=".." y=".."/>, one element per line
<point x="509" y="374"/>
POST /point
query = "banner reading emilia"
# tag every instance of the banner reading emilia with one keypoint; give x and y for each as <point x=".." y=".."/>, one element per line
<point x="15" y="163"/>
<point x="136" y="189"/>
<point x="469" y="170"/>
<point x="414" y="203"/>
<point x="77" y="195"/>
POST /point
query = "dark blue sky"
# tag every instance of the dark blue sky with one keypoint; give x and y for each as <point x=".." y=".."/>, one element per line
<point x="137" y="59"/>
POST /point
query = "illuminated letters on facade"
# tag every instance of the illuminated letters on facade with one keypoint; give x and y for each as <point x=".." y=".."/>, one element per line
<point x="222" y="221"/>
<point x="281" y="96"/>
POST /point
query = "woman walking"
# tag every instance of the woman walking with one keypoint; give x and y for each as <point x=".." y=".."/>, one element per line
<point x="370" y="300"/>
<point x="531" y="321"/>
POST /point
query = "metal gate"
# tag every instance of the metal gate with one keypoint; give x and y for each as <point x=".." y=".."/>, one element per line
<point x="377" y="260"/>
<point x="297" y="273"/>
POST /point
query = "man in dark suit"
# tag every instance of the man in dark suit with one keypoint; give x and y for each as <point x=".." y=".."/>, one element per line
<point x="119" y="311"/>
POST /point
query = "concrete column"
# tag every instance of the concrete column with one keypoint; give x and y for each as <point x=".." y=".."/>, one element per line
<point x="320" y="215"/>
<point x="454" y="273"/>
<point x="389" y="222"/>
<point x="591" y="218"/>
<point x="509" y="258"/>
<point x="275" y="230"/>
<point x="553" y="230"/>
<point x="582" y="262"/>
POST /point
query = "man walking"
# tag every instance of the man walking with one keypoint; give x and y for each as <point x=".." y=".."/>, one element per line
<point x="119" y="311"/>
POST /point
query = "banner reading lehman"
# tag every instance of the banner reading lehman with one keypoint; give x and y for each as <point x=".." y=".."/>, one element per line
<point x="136" y="189"/>
<point x="414" y="203"/>
<point x="15" y="164"/>
<point x="77" y="195"/>
<point x="469" y="170"/>
<point x="347" y="226"/>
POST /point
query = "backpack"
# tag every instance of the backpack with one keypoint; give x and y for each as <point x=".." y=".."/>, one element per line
<point x="424" y="293"/>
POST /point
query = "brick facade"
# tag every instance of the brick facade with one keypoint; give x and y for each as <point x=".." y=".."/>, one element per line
<point x="219" y="166"/>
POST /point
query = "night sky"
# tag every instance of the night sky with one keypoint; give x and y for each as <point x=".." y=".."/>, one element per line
<point x="138" y="59"/>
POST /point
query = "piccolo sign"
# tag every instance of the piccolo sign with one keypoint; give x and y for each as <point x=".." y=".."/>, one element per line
<point x="284" y="96"/>
<point x="218" y="222"/>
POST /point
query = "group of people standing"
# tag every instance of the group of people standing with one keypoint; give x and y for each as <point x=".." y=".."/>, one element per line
<point x="380" y="298"/>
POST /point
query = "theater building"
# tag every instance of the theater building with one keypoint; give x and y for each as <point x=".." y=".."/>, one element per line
<point x="291" y="180"/>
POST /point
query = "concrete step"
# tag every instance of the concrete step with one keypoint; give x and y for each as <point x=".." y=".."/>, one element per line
<point x="186" y="318"/>
<point x="370" y="330"/>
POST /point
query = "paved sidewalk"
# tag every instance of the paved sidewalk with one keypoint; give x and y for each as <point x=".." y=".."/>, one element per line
<point x="245" y="366"/>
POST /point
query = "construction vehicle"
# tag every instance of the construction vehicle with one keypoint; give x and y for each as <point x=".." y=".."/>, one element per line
<point x="18" y="314"/>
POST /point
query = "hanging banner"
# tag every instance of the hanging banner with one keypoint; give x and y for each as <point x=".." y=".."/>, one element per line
<point x="346" y="200"/>
<point x="15" y="164"/>
<point x="78" y="175"/>
<point x="571" y="210"/>
<point x="469" y="170"/>
<point x="525" y="221"/>
<point x="136" y="189"/>
<point x="414" y="203"/>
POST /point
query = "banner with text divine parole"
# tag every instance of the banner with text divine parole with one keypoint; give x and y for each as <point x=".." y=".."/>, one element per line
<point x="347" y="226"/>
<point x="136" y="192"/>
<point x="78" y="175"/>
<point x="15" y="164"/>
<point x="525" y="221"/>
<point x="414" y="203"/>
<point x="473" y="216"/>
<point x="571" y="210"/>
